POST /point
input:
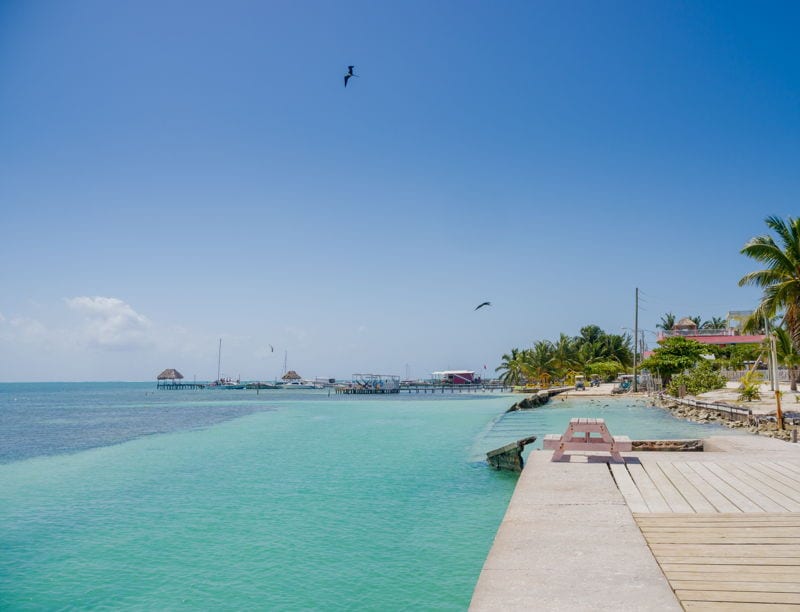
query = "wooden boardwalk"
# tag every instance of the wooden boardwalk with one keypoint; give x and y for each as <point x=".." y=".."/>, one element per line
<point x="709" y="486"/>
<point x="725" y="533"/>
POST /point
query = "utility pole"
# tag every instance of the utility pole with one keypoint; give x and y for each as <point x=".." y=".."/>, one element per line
<point x="635" y="341"/>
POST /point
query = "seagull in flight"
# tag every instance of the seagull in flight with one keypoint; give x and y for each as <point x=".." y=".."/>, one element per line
<point x="349" y="74"/>
<point x="271" y="350"/>
<point x="482" y="305"/>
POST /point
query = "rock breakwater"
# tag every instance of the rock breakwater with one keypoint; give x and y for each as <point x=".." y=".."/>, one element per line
<point x="762" y="426"/>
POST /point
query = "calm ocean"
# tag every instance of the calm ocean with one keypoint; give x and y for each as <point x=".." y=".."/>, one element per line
<point x="117" y="496"/>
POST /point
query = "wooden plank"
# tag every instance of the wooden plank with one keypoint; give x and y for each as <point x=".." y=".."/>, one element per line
<point x="771" y="468"/>
<point x="703" y="538"/>
<point x="753" y="490"/>
<point x="735" y="586"/>
<point x="735" y="573"/>
<point x="732" y="560"/>
<point x="788" y="520"/>
<point x="707" y="569"/>
<point x="722" y="531"/>
<point x="744" y="503"/>
<point x="727" y="515"/>
<point x="740" y="597"/>
<point x="714" y="497"/>
<point x="731" y="606"/>
<point x="628" y="489"/>
<point x="720" y="551"/>
<point x="774" y="479"/>
<point x="695" y="499"/>
<point x="790" y="467"/>
<point x="654" y="500"/>
<point x="673" y="497"/>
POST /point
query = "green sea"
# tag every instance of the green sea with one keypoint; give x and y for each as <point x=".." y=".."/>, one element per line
<point x="116" y="497"/>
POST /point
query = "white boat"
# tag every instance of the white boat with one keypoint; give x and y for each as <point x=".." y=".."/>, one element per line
<point x="298" y="384"/>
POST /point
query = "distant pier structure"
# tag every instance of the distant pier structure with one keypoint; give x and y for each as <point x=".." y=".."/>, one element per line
<point x="170" y="379"/>
<point x="370" y="384"/>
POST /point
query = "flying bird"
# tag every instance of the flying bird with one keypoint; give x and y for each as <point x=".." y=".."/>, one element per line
<point x="482" y="305"/>
<point x="271" y="350"/>
<point x="349" y="74"/>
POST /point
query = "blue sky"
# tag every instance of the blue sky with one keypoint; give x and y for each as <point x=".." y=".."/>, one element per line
<point x="176" y="172"/>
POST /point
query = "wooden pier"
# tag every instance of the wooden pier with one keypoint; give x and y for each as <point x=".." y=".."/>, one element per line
<point x="348" y="390"/>
<point x="179" y="386"/>
<point x="464" y="388"/>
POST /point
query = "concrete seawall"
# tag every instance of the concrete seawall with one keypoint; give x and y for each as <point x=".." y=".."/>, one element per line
<point x="569" y="542"/>
<point x="570" y="539"/>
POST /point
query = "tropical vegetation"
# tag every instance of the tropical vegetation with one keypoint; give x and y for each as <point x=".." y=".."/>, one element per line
<point x="680" y="361"/>
<point x="780" y="280"/>
<point x="593" y="352"/>
<point x="674" y="355"/>
<point x="697" y="380"/>
<point x="749" y="386"/>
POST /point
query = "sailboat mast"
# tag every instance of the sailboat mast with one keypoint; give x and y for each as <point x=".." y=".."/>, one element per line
<point x="285" y="355"/>
<point x="219" y="357"/>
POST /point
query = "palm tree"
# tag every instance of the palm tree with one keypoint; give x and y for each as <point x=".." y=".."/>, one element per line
<point x="697" y="320"/>
<point x="618" y="348"/>
<point x="715" y="323"/>
<point x="590" y="333"/>
<point x="589" y="352"/>
<point x="780" y="279"/>
<point x="787" y="355"/>
<point x="539" y="360"/>
<point x="667" y="322"/>
<point x="563" y="354"/>
<point x="512" y="367"/>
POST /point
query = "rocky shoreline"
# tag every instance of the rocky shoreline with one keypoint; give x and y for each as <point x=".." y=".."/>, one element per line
<point x="759" y="426"/>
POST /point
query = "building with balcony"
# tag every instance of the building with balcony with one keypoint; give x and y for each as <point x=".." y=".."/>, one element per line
<point x="731" y="334"/>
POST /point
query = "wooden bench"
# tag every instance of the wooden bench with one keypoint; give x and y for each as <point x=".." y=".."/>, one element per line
<point x="578" y="437"/>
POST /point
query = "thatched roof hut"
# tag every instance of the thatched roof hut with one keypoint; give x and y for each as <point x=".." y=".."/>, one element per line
<point x="291" y="375"/>
<point x="170" y="374"/>
<point x="685" y="323"/>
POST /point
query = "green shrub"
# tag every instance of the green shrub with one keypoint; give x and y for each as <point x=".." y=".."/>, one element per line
<point x="749" y="387"/>
<point x="697" y="380"/>
<point x="606" y="370"/>
<point x="749" y="392"/>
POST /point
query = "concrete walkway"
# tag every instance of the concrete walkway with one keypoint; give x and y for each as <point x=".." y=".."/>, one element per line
<point x="569" y="540"/>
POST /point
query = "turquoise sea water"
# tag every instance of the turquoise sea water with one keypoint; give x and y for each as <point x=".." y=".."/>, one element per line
<point x="114" y="497"/>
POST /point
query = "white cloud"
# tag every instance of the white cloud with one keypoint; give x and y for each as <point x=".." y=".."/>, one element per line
<point x="111" y="323"/>
<point x="28" y="330"/>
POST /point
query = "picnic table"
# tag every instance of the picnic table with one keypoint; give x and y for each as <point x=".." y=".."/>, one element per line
<point x="578" y="437"/>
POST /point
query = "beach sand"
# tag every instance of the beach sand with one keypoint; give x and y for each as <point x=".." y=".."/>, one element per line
<point x="767" y="404"/>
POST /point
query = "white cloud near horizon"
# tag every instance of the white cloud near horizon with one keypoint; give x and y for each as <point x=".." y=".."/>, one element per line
<point x="112" y="324"/>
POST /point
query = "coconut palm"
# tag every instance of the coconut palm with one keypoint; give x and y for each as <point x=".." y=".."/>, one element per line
<point x="590" y="352"/>
<point x="787" y="355"/>
<point x="780" y="279"/>
<point x="715" y="323"/>
<point x="512" y="366"/>
<point x="667" y="322"/>
<point x="564" y="354"/>
<point x="539" y="360"/>
<point x="590" y="333"/>
<point x="618" y="348"/>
